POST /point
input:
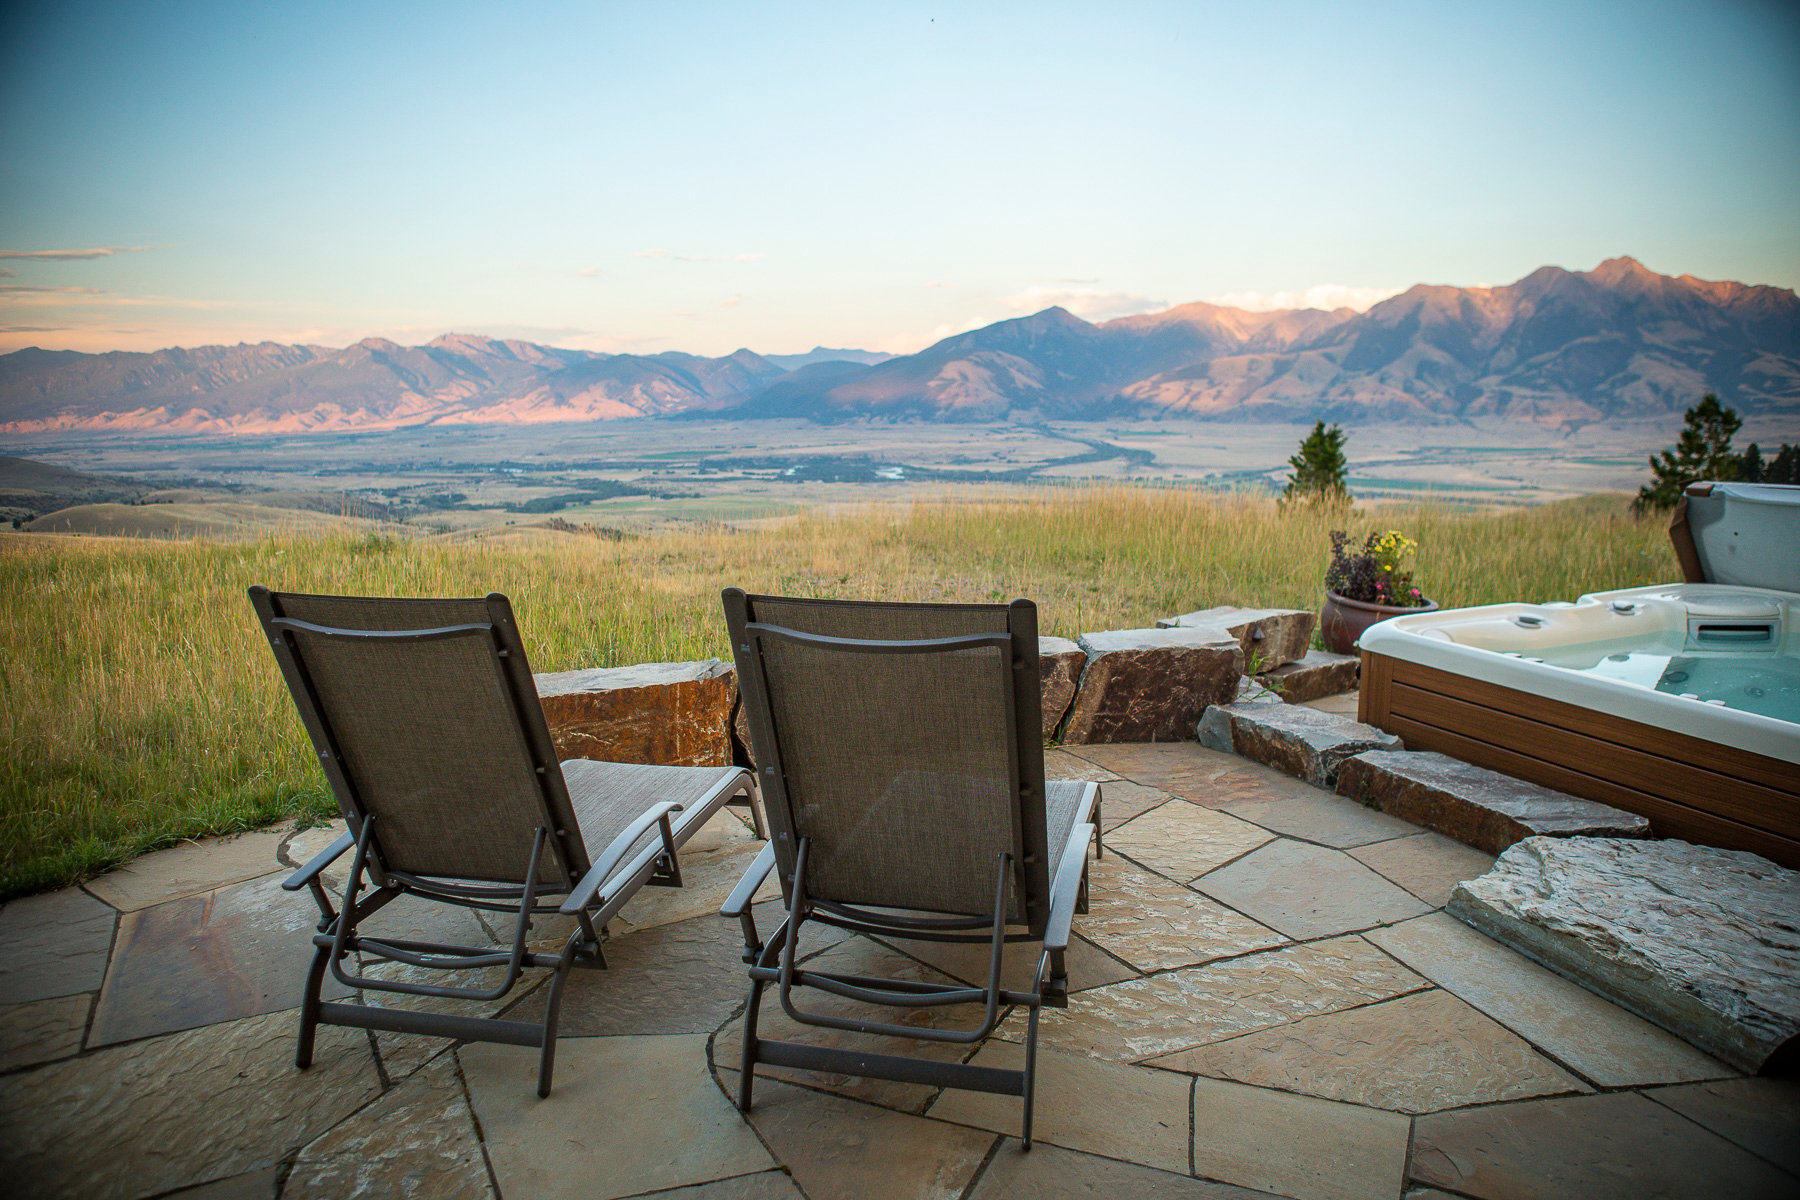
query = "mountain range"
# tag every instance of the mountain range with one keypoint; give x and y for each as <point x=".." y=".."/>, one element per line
<point x="1560" y="347"/>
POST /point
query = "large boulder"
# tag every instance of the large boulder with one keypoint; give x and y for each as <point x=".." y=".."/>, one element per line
<point x="1151" y="685"/>
<point x="1304" y="742"/>
<point x="1059" y="670"/>
<point x="1270" y="637"/>
<point x="668" y="714"/>
<point x="1476" y="806"/>
<point x="1704" y="942"/>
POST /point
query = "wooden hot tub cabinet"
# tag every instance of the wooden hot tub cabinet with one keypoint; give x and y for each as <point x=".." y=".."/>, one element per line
<point x="1689" y="788"/>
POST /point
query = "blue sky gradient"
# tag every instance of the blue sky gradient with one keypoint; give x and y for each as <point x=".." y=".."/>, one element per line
<point x="706" y="176"/>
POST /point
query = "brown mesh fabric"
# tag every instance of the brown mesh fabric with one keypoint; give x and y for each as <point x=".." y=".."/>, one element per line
<point x="878" y="621"/>
<point x="898" y="767"/>
<point x="433" y="749"/>
<point x="1062" y="804"/>
<point x="609" y="796"/>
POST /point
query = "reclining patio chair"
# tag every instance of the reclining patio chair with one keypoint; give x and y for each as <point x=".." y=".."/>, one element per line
<point x="427" y="725"/>
<point x="900" y="758"/>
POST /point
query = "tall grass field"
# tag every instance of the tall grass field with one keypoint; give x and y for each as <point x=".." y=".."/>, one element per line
<point x="140" y="706"/>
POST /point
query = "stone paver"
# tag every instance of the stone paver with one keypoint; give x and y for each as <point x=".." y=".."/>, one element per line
<point x="1120" y="801"/>
<point x="1611" y="1147"/>
<point x="1305" y="742"/>
<point x="1087" y="965"/>
<point x="1412" y="1054"/>
<point x="1601" y="1041"/>
<point x="838" y="1147"/>
<point x="163" y="1113"/>
<point x="1297" y="1146"/>
<point x="1327" y="820"/>
<point x="54" y="944"/>
<point x="627" y="1115"/>
<point x="1185" y="769"/>
<point x="236" y="952"/>
<point x="1308" y="891"/>
<point x="1050" y="1171"/>
<point x="42" y="1031"/>
<point x="1702" y="941"/>
<point x="1156" y="925"/>
<point x="417" y="1140"/>
<point x="191" y="868"/>
<point x="1147" y="1111"/>
<point x="1160" y="1014"/>
<point x="1429" y="865"/>
<point x="1184" y="841"/>
<point x="1761" y="1115"/>
<point x="1296" y="1065"/>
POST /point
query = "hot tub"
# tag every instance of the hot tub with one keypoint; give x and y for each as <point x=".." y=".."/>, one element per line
<point x="1680" y="703"/>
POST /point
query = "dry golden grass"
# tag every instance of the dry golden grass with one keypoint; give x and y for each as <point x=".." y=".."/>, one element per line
<point x="139" y="706"/>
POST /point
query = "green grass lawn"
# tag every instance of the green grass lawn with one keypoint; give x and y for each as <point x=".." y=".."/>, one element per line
<point x="139" y="705"/>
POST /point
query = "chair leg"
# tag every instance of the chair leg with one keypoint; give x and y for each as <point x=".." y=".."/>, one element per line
<point x="1031" y="1034"/>
<point x="747" y="1065"/>
<point x="309" y="1007"/>
<point x="553" y="1013"/>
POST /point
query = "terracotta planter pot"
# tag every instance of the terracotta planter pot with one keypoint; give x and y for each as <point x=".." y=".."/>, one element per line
<point x="1343" y="620"/>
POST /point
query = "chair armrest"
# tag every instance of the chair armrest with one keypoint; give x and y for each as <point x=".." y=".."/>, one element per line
<point x="1066" y="887"/>
<point x="607" y="863"/>
<point x="320" y="861"/>
<point x="739" y="900"/>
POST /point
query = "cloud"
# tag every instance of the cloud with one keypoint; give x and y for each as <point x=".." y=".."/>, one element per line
<point x="12" y="289"/>
<point x="1082" y="301"/>
<point x="588" y="273"/>
<point x="731" y="301"/>
<point x="65" y="255"/>
<point x="1320" y="295"/>
<point x="8" y="273"/>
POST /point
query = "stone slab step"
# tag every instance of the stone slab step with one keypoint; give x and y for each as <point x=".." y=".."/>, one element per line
<point x="1701" y="941"/>
<point x="1314" y="675"/>
<point x="1303" y="742"/>
<point x="1476" y="806"/>
<point x="1270" y="637"/>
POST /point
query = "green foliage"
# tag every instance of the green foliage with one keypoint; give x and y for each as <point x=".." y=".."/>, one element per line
<point x="1783" y="468"/>
<point x="1318" y="469"/>
<point x="1704" y="452"/>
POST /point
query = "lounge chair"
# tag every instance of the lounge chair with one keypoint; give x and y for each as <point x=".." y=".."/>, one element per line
<point x="427" y="725"/>
<point x="901" y="764"/>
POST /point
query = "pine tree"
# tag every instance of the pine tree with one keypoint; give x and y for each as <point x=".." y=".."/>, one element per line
<point x="1704" y="452"/>
<point x="1750" y="464"/>
<point x="1784" y="467"/>
<point x="1318" y="469"/>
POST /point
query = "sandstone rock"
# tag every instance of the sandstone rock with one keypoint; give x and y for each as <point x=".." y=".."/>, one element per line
<point x="1474" y="805"/>
<point x="1270" y="637"/>
<point x="1303" y="742"/>
<point x="53" y="944"/>
<point x="1059" y="671"/>
<point x="671" y="714"/>
<point x="1151" y="685"/>
<point x="1704" y="942"/>
<point x="1317" y="674"/>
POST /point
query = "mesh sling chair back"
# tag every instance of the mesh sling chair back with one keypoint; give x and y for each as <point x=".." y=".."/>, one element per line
<point x="427" y="726"/>
<point x="900" y="760"/>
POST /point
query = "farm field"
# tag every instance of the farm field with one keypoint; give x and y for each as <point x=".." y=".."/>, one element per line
<point x="475" y="481"/>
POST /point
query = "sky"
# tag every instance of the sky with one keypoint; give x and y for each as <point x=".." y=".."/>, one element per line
<point x="638" y="177"/>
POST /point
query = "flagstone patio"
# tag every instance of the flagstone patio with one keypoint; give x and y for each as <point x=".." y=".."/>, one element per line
<point x="1268" y="1001"/>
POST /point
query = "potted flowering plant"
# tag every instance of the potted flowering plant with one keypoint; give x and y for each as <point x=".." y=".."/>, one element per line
<point x="1367" y="585"/>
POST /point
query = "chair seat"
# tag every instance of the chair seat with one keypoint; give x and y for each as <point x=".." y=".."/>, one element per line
<point x="1062" y="809"/>
<point x="609" y="796"/>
